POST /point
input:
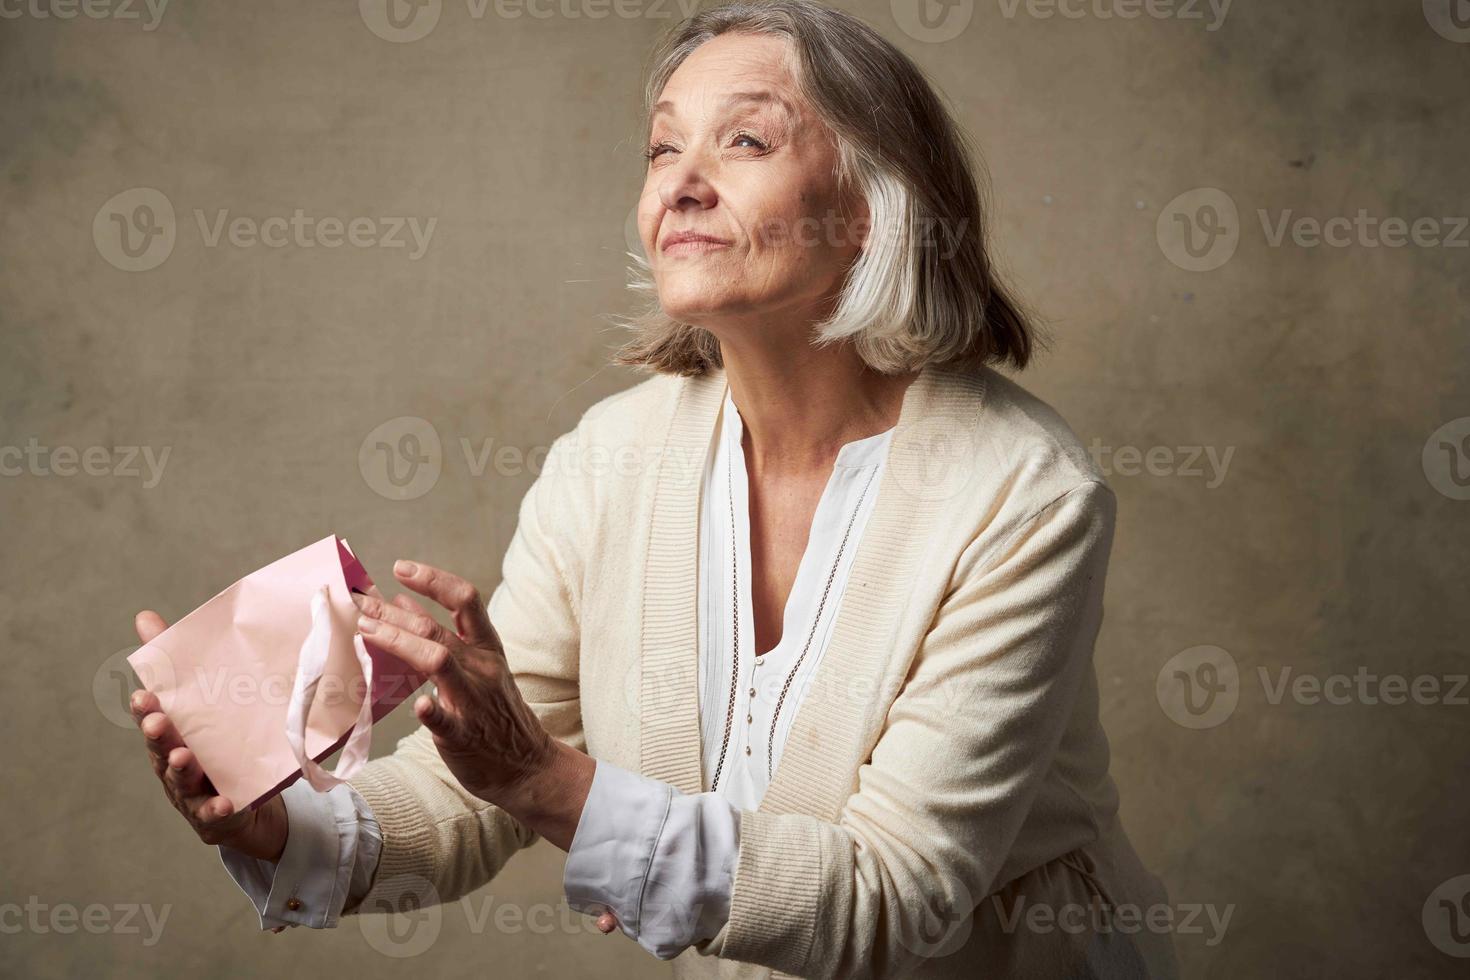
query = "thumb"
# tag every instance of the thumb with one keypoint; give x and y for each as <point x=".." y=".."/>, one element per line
<point x="148" y="625"/>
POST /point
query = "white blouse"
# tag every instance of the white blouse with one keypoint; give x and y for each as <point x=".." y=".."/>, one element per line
<point x="663" y="861"/>
<point x="779" y="676"/>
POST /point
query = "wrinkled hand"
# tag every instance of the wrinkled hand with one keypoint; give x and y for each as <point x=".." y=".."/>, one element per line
<point x="485" y="732"/>
<point x="259" y="833"/>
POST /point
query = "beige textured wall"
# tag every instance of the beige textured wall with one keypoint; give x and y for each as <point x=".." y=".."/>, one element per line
<point x="1329" y="536"/>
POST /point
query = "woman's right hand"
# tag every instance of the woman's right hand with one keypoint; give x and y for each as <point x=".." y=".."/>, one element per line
<point x="260" y="833"/>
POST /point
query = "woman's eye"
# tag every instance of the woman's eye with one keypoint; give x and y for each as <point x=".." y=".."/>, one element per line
<point x="657" y="150"/>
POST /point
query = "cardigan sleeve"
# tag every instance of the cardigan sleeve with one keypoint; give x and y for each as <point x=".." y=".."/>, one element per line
<point x="966" y="744"/>
<point x="439" y="841"/>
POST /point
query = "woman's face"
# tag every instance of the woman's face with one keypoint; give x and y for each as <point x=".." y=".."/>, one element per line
<point x="736" y="155"/>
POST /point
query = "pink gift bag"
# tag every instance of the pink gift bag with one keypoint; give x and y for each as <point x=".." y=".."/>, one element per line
<point x="270" y="676"/>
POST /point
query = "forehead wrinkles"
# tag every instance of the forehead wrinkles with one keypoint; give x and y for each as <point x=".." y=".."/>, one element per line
<point x="721" y="103"/>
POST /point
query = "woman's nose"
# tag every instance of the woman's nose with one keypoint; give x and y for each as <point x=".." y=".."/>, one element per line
<point x="684" y="183"/>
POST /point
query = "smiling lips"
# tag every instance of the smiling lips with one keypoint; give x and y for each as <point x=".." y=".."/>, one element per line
<point x="690" y="242"/>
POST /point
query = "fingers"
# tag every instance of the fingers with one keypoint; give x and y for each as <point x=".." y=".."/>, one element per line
<point x="457" y="595"/>
<point x="185" y="782"/>
<point x="433" y="716"/>
<point x="418" y="623"/>
<point x="405" y="601"/>
<point x="148" y="624"/>
<point x="422" y="654"/>
<point x="143" y="703"/>
<point x="215" y="808"/>
<point x="184" y="774"/>
<point x="161" y="737"/>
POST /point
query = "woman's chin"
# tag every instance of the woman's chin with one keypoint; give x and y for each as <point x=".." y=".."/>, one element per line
<point x="694" y="305"/>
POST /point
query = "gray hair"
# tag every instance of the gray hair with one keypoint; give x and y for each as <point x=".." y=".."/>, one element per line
<point x="907" y="300"/>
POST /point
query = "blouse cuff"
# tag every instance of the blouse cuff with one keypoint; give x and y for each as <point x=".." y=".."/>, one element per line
<point x="332" y="848"/>
<point x="662" y="861"/>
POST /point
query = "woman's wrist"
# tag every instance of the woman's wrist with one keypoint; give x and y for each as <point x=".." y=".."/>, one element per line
<point x="550" y="799"/>
<point x="265" y="835"/>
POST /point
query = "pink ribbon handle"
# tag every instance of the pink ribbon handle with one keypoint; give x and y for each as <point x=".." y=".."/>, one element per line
<point x="310" y="665"/>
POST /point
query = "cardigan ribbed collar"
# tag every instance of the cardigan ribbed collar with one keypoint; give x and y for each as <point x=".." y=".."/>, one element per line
<point x="839" y="719"/>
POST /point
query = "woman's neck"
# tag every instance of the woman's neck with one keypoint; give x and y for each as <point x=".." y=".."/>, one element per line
<point x="800" y="407"/>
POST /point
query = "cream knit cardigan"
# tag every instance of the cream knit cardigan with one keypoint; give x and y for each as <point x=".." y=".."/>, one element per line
<point x="948" y="752"/>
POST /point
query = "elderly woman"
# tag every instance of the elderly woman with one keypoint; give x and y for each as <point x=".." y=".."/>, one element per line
<point x="801" y="678"/>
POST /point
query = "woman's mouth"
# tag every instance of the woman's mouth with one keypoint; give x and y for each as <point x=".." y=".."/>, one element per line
<point x="689" y="243"/>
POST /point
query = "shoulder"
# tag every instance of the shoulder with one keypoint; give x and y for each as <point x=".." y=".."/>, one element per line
<point x="1019" y="442"/>
<point x="1018" y="463"/>
<point x="609" y="450"/>
<point x="624" y="416"/>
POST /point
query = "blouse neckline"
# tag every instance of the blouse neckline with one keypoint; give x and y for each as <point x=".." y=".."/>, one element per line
<point x="867" y="451"/>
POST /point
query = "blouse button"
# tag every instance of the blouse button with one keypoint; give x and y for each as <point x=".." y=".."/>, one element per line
<point x="747" y="750"/>
<point x="752" y="692"/>
<point x="294" y="904"/>
<point x="748" y="719"/>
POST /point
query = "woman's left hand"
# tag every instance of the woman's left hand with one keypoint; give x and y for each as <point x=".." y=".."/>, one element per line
<point x="486" y="733"/>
